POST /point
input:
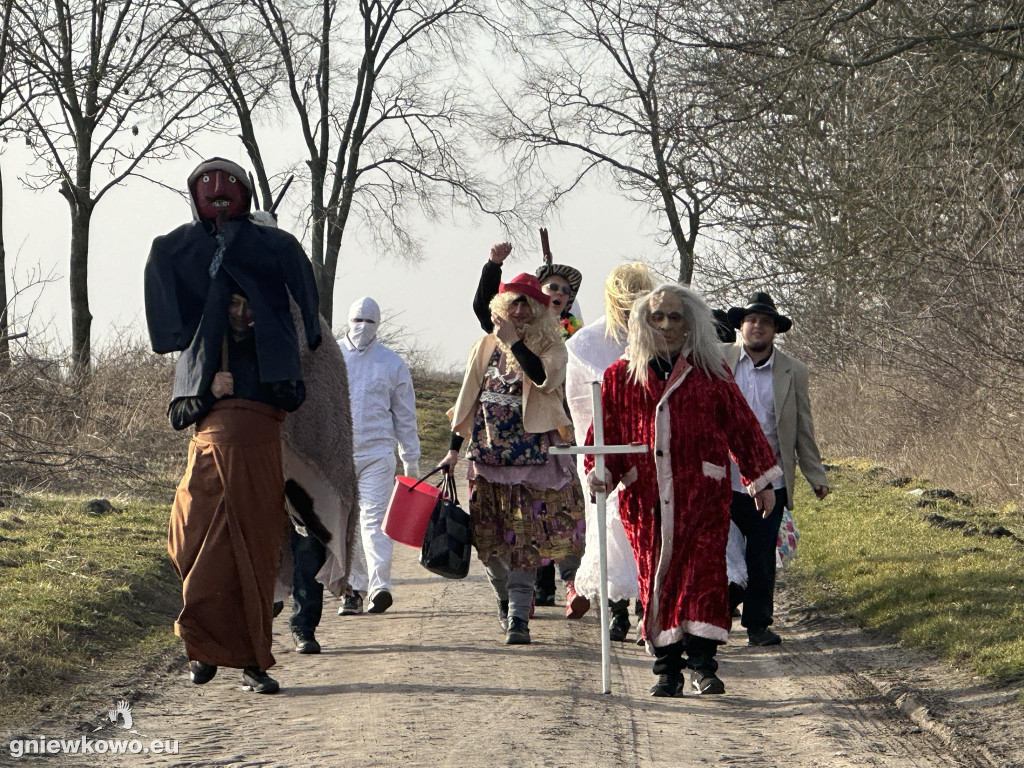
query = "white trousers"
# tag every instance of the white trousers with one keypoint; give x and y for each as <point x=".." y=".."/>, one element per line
<point x="371" y="563"/>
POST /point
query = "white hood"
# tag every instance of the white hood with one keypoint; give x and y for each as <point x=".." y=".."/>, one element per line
<point x="362" y="334"/>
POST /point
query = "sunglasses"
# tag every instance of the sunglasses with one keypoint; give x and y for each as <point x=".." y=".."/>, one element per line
<point x="559" y="288"/>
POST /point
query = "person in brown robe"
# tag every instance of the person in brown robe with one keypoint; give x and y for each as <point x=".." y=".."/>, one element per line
<point x="228" y="522"/>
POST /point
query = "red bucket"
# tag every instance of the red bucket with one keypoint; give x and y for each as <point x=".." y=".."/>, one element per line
<point x="409" y="510"/>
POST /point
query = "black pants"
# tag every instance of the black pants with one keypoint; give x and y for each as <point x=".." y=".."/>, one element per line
<point x="307" y="593"/>
<point x="762" y="534"/>
<point x="700" y="652"/>
<point x="546" y="577"/>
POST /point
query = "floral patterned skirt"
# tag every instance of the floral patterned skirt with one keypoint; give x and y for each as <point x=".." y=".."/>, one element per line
<point x="523" y="526"/>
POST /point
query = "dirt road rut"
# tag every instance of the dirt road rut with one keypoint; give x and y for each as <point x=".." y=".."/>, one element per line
<point x="429" y="684"/>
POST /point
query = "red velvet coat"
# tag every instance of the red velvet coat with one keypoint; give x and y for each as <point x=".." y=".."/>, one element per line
<point x="675" y="501"/>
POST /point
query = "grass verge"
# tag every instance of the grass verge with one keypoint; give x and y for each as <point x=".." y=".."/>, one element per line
<point x="83" y="593"/>
<point x="76" y="587"/>
<point x="434" y="396"/>
<point x="945" y="576"/>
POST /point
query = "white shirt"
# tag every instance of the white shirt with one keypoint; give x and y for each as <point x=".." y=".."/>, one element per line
<point x="383" y="402"/>
<point x="758" y="387"/>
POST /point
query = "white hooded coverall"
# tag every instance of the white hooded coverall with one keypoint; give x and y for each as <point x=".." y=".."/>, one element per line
<point x="383" y="414"/>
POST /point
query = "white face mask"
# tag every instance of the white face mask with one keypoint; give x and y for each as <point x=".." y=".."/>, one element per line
<point x="361" y="334"/>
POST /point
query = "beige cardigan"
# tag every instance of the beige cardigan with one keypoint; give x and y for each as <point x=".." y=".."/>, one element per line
<point x="542" y="403"/>
<point x="793" y="422"/>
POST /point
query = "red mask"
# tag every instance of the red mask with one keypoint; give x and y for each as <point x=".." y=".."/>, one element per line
<point x="219" y="195"/>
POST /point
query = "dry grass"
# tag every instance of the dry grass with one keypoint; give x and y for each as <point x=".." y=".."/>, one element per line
<point x="917" y="428"/>
<point x="109" y="434"/>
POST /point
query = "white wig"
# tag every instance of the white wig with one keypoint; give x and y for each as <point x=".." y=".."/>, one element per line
<point x="702" y="342"/>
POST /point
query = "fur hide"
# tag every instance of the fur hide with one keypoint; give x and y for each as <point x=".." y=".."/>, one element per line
<point x="320" y="476"/>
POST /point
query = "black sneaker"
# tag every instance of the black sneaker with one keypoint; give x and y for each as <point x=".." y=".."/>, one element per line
<point x="762" y="637"/>
<point x="503" y="614"/>
<point x="278" y="607"/>
<point x="380" y="601"/>
<point x="619" y="628"/>
<point x="668" y="686"/>
<point x="518" y="632"/>
<point x="707" y="683"/>
<point x="351" y="605"/>
<point x="305" y="641"/>
<point x="200" y="672"/>
<point x="545" y="598"/>
<point x="255" y="679"/>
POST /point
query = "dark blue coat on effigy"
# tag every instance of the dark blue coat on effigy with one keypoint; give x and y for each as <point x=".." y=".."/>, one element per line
<point x="186" y="309"/>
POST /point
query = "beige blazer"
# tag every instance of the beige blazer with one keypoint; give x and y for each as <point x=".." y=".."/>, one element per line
<point x="793" y="420"/>
<point x="542" y="403"/>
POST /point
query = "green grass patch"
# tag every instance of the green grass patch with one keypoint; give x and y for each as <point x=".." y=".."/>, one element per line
<point x="434" y="396"/>
<point x="83" y="594"/>
<point x="75" y="588"/>
<point x="869" y="552"/>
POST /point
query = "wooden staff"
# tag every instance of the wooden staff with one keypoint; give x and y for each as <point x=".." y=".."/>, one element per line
<point x="224" y="353"/>
<point x="545" y="247"/>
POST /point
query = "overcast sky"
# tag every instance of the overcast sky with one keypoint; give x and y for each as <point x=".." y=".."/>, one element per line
<point x="596" y="230"/>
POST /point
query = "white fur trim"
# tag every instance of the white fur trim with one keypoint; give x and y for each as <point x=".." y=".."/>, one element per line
<point x="714" y="471"/>
<point x="698" y="628"/>
<point x="764" y="480"/>
<point x="666" y="493"/>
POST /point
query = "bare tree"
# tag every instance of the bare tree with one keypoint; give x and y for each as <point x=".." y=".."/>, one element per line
<point x="113" y="92"/>
<point x="378" y="116"/>
<point x="375" y="90"/>
<point x="878" y="190"/>
<point x="598" y="81"/>
<point x="9" y="111"/>
<point x="240" y="58"/>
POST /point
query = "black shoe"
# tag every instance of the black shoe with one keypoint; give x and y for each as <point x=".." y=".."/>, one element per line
<point x="305" y="642"/>
<point x="668" y="686"/>
<point x="762" y="637"/>
<point x="518" y="632"/>
<point x="351" y="605"/>
<point x="255" y="679"/>
<point x="200" y="672"/>
<point x="707" y="683"/>
<point x="543" y="598"/>
<point x="619" y="628"/>
<point x="278" y="607"/>
<point x="380" y="601"/>
<point x="503" y="614"/>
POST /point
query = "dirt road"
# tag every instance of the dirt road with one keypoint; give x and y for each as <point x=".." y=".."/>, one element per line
<point x="429" y="684"/>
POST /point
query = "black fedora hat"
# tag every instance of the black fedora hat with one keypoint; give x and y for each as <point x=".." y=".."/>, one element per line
<point x="761" y="303"/>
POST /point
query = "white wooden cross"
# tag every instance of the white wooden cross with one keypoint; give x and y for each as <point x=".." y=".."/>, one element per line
<point x="599" y="450"/>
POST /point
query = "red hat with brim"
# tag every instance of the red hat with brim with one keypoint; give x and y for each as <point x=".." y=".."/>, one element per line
<point x="525" y="285"/>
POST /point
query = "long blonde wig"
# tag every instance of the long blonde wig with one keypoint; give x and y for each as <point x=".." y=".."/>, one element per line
<point x="538" y="334"/>
<point x="702" y="343"/>
<point x="624" y="284"/>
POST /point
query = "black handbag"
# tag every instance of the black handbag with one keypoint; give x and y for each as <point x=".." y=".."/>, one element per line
<point x="448" y="541"/>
